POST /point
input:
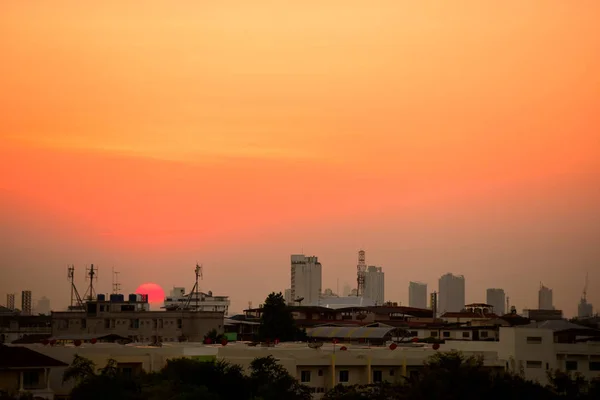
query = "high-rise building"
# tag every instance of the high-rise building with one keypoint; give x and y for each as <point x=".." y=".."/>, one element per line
<point x="306" y="275"/>
<point x="545" y="298"/>
<point x="585" y="309"/>
<point x="10" y="301"/>
<point x="497" y="299"/>
<point x="375" y="284"/>
<point x="43" y="306"/>
<point x="26" y="302"/>
<point x="417" y="295"/>
<point x="287" y="296"/>
<point x="451" y="293"/>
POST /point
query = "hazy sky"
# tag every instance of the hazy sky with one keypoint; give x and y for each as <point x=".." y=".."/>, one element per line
<point x="454" y="136"/>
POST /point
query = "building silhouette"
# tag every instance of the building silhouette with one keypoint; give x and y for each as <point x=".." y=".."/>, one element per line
<point x="497" y="299"/>
<point x="451" y="293"/>
<point x="306" y="278"/>
<point x="417" y="295"/>
<point x="375" y="284"/>
<point x="545" y="298"/>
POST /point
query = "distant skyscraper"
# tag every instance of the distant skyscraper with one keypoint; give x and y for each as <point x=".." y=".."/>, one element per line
<point x="545" y="298"/>
<point x="451" y="296"/>
<point x="375" y="284"/>
<point x="417" y="295"/>
<point x="346" y="290"/>
<point x="43" y="306"/>
<point x="10" y="301"/>
<point x="306" y="275"/>
<point x="287" y="296"/>
<point x="26" y="302"/>
<point x="497" y="299"/>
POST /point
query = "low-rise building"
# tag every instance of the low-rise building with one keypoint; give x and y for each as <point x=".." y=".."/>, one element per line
<point x="14" y="326"/>
<point x="197" y="301"/>
<point x="132" y="320"/>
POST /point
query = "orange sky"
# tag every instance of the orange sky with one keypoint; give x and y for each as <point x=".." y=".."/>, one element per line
<point x="455" y="136"/>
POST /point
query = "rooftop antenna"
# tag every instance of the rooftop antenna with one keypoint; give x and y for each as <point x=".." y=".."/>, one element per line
<point x="116" y="286"/>
<point x="361" y="270"/>
<point x="91" y="275"/>
<point x="74" y="293"/>
<point x="585" y="288"/>
<point x="507" y="304"/>
<point x="196" y="288"/>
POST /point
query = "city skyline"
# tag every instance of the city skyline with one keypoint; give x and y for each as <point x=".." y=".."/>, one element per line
<point x="455" y="137"/>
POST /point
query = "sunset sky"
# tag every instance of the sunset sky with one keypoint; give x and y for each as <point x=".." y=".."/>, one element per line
<point x="449" y="136"/>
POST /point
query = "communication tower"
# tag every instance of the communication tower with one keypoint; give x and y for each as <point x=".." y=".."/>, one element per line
<point x="196" y="289"/>
<point x="91" y="274"/>
<point x="116" y="286"/>
<point x="75" y="298"/>
<point x="361" y="271"/>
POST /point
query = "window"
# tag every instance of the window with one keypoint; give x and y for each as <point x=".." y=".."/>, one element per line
<point x="305" y="376"/>
<point x="466" y="335"/>
<point x="134" y="323"/>
<point x="320" y="372"/>
<point x="414" y="333"/>
<point x="534" y="364"/>
<point x="571" y="365"/>
<point x="83" y="323"/>
<point x="446" y="334"/>
<point x="594" y="365"/>
<point x="106" y="323"/>
<point x="414" y="374"/>
<point x="534" y="340"/>
<point x="179" y="323"/>
<point x="344" y="376"/>
<point x="160" y="323"/>
<point x="434" y="334"/>
<point x="483" y="334"/>
<point x="31" y="379"/>
<point x="377" y="376"/>
<point x="154" y="324"/>
<point x="127" y="372"/>
<point x="391" y="372"/>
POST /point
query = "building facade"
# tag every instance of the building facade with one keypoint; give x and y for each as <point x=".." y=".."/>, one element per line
<point x="545" y="298"/>
<point x="198" y="301"/>
<point x="375" y="284"/>
<point x="43" y="306"/>
<point x="497" y="299"/>
<point x="306" y="278"/>
<point x="417" y="295"/>
<point x="10" y="301"/>
<point x="26" y="302"/>
<point x="451" y="293"/>
<point x="132" y="319"/>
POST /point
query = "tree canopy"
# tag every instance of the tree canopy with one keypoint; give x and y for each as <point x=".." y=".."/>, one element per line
<point x="277" y="322"/>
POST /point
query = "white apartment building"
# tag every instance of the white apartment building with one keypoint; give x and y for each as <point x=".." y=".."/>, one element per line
<point x="497" y="299"/>
<point x="306" y="278"/>
<point x="545" y="298"/>
<point x="375" y="284"/>
<point x="43" y="306"/>
<point x="417" y="295"/>
<point x="197" y="301"/>
<point x="451" y="294"/>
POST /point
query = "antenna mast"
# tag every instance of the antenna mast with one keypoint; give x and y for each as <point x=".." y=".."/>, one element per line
<point x="74" y="293"/>
<point x="196" y="289"/>
<point x="585" y="287"/>
<point x="91" y="274"/>
<point x="361" y="270"/>
<point x="116" y="286"/>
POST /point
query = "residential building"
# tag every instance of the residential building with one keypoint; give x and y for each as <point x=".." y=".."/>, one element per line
<point x="451" y="293"/>
<point x="287" y="296"/>
<point x="545" y="298"/>
<point x="497" y="299"/>
<point x="43" y="306"/>
<point x="23" y="370"/>
<point x="527" y="350"/>
<point x="132" y="319"/>
<point x="306" y="278"/>
<point x="417" y="295"/>
<point x="375" y="284"/>
<point x="10" y="301"/>
<point x="15" y="326"/>
<point x="197" y="301"/>
<point x="26" y="302"/>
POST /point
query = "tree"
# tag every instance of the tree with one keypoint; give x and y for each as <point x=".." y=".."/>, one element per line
<point x="276" y="321"/>
<point x="271" y="381"/>
<point x="214" y="336"/>
<point x="80" y="369"/>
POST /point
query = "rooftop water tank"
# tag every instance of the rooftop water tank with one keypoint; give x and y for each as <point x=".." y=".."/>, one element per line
<point x="101" y="297"/>
<point x="121" y="298"/>
<point x="114" y="298"/>
<point x="132" y="298"/>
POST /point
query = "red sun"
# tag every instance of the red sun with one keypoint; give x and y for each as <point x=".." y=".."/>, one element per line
<point x="156" y="295"/>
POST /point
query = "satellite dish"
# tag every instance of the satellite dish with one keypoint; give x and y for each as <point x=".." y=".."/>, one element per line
<point x="299" y="300"/>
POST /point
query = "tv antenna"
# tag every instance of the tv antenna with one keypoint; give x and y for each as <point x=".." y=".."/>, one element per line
<point x="91" y="274"/>
<point x="74" y="293"/>
<point x="116" y="286"/>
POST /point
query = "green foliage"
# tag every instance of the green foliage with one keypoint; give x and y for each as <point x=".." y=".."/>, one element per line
<point x="277" y="322"/>
<point x="214" y="336"/>
<point x="271" y="381"/>
<point x="80" y="369"/>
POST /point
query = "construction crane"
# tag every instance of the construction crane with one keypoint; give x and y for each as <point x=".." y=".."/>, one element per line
<point x="585" y="288"/>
